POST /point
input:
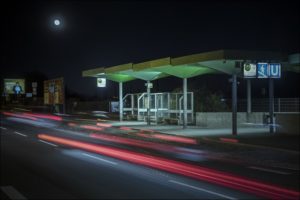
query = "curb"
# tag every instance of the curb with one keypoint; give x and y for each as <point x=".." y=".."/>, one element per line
<point x="236" y="142"/>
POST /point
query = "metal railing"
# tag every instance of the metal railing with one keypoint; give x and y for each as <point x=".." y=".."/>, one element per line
<point x="162" y="105"/>
<point x="262" y="105"/>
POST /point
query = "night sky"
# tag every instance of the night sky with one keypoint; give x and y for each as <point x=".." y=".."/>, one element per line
<point x="108" y="33"/>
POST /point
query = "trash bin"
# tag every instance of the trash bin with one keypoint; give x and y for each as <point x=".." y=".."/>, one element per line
<point x="266" y="119"/>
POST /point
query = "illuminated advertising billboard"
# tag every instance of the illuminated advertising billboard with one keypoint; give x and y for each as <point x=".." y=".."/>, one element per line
<point x="14" y="86"/>
<point x="54" y="91"/>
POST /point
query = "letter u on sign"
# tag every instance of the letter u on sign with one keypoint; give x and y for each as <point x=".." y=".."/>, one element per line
<point x="275" y="70"/>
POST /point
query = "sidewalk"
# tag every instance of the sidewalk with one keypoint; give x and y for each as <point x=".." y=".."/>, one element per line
<point x="190" y="131"/>
<point x="251" y="136"/>
<point x="254" y="146"/>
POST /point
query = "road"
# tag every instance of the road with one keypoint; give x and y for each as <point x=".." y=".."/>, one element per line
<point x="34" y="165"/>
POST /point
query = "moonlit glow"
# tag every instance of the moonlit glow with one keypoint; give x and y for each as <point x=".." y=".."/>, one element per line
<point x="56" y="22"/>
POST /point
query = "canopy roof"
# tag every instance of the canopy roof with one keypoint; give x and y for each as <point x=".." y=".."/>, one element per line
<point x="221" y="61"/>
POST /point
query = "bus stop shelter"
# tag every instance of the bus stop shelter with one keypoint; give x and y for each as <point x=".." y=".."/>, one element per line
<point x="222" y="61"/>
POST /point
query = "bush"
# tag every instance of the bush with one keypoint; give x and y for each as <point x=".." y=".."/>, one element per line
<point x="207" y="101"/>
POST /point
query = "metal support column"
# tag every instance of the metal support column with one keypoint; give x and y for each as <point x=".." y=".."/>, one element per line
<point x="132" y="104"/>
<point x="64" y="97"/>
<point x="184" y="102"/>
<point x="192" y="106"/>
<point x="248" y="96"/>
<point x="121" y="101"/>
<point x="271" y="105"/>
<point x="148" y="107"/>
<point x="248" y="99"/>
<point x="234" y="105"/>
<point x="155" y="107"/>
<point x="169" y="106"/>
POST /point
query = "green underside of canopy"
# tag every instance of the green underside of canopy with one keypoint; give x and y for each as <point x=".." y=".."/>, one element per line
<point x="121" y="78"/>
<point x="145" y="75"/>
<point x="185" y="71"/>
<point x="221" y="61"/>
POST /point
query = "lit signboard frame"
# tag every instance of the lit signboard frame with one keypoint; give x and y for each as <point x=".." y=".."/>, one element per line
<point x="268" y="70"/>
<point x="275" y="70"/>
<point x="101" y="82"/>
<point x="10" y="83"/>
<point x="263" y="70"/>
<point x="54" y="91"/>
<point x="249" y="70"/>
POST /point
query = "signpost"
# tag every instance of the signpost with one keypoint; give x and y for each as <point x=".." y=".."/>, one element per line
<point x="234" y="104"/>
<point x="149" y="85"/>
<point x="265" y="70"/>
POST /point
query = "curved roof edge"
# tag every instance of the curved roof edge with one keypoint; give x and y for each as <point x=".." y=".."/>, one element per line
<point x="187" y="64"/>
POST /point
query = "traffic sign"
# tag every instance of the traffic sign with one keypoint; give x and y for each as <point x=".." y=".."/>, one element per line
<point x="275" y="70"/>
<point x="101" y="82"/>
<point x="263" y="70"/>
<point x="249" y="70"/>
<point x="149" y="85"/>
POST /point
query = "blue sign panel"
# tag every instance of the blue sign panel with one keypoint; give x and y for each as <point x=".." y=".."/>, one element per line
<point x="263" y="70"/>
<point x="275" y="70"/>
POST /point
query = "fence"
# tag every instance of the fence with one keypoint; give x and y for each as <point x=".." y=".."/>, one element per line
<point x="262" y="105"/>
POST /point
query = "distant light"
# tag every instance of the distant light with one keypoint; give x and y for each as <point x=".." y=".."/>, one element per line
<point x="56" y="22"/>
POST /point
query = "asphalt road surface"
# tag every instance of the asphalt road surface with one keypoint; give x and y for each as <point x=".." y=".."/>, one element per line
<point x="33" y="168"/>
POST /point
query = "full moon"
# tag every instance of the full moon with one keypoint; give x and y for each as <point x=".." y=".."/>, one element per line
<point x="56" y="22"/>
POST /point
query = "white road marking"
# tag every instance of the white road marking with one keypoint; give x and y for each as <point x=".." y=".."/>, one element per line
<point x="12" y="193"/>
<point x="268" y="170"/>
<point x="20" y="134"/>
<point x="48" y="143"/>
<point x="113" y="163"/>
<point x="3" y="128"/>
<point x="288" y="168"/>
<point x="203" y="190"/>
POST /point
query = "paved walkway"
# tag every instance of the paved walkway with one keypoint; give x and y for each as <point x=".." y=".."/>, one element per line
<point x="275" y="151"/>
<point x="191" y="130"/>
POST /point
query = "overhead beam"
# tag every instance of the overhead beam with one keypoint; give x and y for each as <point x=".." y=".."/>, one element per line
<point x="93" y="72"/>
